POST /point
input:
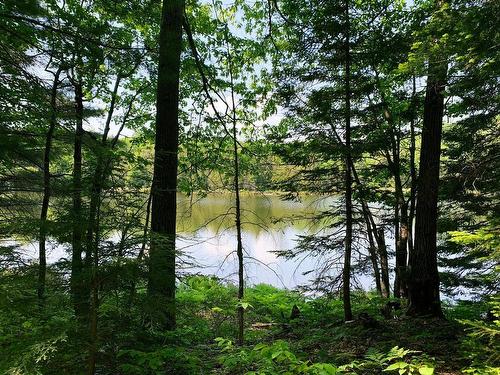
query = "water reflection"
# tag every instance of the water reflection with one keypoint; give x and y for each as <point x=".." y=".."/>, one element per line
<point x="207" y="237"/>
<point x="207" y="234"/>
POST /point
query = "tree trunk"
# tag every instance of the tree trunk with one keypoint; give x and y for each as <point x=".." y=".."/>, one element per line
<point x="384" y="262"/>
<point x="93" y="319"/>
<point x="79" y="291"/>
<point x="424" y="278"/>
<point x="400" y="280"/>
<point x="373" y="252"/>
<point x="92" y="262"/>
<point x="145" y="229"/>
<point x="413" y="172"/>
<point x="93" y="231"/>
<point x="397" y="244"/>
<point x="401" y="261"/>
<point x="239" y="249"/>
<point x="346" y="272"/>
<point x="371" y="229"/>
<point x="400" y="209"/>
<point x="161" y="283"/>
<point x="144" y="243"/>
<point x="42" y="255"/>
<point x="100" y="172"/>
<point x="239" y="241"/>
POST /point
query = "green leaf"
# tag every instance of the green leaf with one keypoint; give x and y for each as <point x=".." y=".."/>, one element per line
<point x="396" y="366"/>
<point x="245" y="305"/>
<point x="426" y="370"/>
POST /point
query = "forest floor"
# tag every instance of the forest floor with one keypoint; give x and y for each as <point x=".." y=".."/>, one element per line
<point x="341" y="343"/>
<point x="318" y="335"/>
<point x="315" y="341"/>
<point x="434" y="341"/>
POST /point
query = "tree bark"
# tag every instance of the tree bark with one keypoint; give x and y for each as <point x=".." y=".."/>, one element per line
<point x="239" y="248"/>
<point x="424" y="277"/>
<point x="79" y="291"/>
<point x="161" y="283"/>
<point x="384" y="262"/>
<point x="42" y="254"/>
<point x="239" y="241"/>
<point x="372" y="251"/>
<point x="146" y="228"/>
<point x="400" y="281"/>
<point x="401" y="228"/>
<point x="413" y="171"/>
<point x="346" y="272"/>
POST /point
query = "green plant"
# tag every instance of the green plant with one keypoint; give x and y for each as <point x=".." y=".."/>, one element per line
<point x="269" y="359"/>
<point x="482" y="344"/>
<point x="160" y="361"/>
<point x="397" y="359"/>
<point x="36" y="357"/>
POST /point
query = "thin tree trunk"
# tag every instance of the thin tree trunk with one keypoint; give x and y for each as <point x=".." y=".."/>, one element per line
<point x="239" y="243"/>
<point x="42" y="255"/>
<point x="146" y="227"/>
<point x="372" y="232"/>
<point x="400" y="287"/>
<point x="413" y="172"/>
<point x="346" y="273"/>
<point x="401" y="228"/>
<point x="384" y="262"/>
<point x="94" y="281"/>
<point x="424" y="277"/>
<point x="400" y="217"/>
<point x="372" y="251"/>
<point x="93" y="228"/>
<point x="161" y="283"/>
<point x="97" y="181"/>
<point x="79" y="291"/>
<point x="239" y="248"/>
<point x="94" y="310"/>
<point x="397" y="243"/>
<point x="378" y="235"/>
<point x="142" y="251"/>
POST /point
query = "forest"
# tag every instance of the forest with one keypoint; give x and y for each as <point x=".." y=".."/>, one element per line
<point x="249" y="187"/>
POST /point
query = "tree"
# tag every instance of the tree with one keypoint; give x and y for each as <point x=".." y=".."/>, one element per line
<point x="161" y="279"/>
<point x="423" y="287"/>
<point x="346" y="272"/>
<point x="312" y="85"/>
<point x="42" y="256"/>
<point x="470" y="173"/>
<point x="234" y="57"/>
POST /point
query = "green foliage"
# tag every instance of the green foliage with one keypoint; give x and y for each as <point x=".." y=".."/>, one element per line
<point x="284" y="61"/>
<point x="318" y="342"/>
<point x="277" y="358"/>
<point x="482" y="345"/>
<point x="272" y="304"/>
<point x="272" y="359"/>
<point x="36" y="358"/>
<point x="402" y="361"/>
<point x="172" y="359"/>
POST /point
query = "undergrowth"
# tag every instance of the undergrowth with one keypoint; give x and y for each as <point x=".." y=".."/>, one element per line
<point x="316" y="341"/>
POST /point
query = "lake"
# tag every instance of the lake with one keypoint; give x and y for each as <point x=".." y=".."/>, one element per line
<point x="207" y="233"/>
<point x="207" y="237"/>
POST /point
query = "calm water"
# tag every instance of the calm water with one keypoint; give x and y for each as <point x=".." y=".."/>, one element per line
<point x="207" y="237"/>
